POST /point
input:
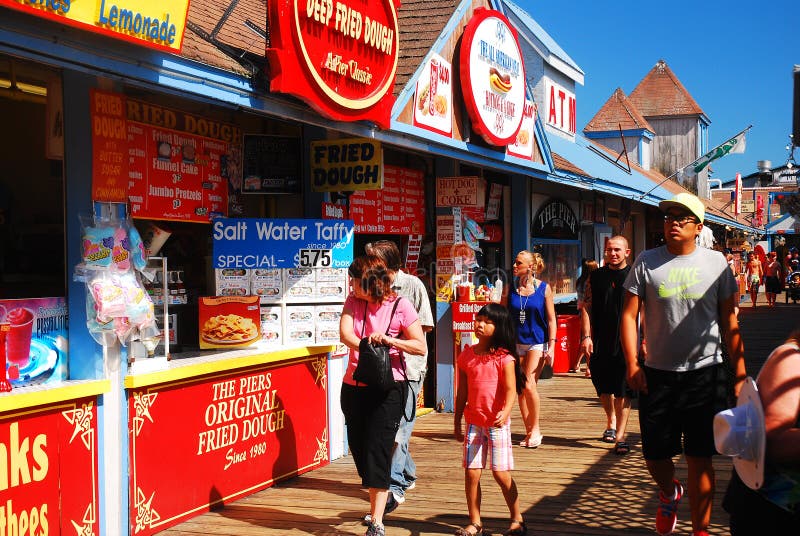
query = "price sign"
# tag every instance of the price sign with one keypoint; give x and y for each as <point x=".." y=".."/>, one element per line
<point x="315" y="258"/>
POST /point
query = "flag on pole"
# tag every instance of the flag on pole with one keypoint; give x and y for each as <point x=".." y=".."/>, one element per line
<point x="738" y="201"/>
<point x="734" y="145"/>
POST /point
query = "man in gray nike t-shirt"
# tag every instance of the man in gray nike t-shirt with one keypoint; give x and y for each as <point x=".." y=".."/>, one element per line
<point x="687" y="296"/>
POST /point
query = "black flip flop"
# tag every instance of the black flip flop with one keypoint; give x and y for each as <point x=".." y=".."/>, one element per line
<point x="621" y="448"/>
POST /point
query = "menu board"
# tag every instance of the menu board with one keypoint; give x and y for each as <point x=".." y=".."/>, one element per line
<point x="174" y="175"/>
<point x="168" y="164"/>
<point x="399" y="208"/>
<point x="109" y="147"/>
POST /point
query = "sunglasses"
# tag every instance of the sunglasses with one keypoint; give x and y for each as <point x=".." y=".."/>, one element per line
<point x="680" y="219"/>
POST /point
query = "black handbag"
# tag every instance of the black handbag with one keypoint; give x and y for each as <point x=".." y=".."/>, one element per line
<point x="374" y="366"/>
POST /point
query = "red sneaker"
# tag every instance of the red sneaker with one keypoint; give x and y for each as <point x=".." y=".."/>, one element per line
<point x="699" y="533"/>
<point x="667" y="514"/>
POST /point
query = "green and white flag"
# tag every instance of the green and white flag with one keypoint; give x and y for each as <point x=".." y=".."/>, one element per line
<point x="734" y="145"/>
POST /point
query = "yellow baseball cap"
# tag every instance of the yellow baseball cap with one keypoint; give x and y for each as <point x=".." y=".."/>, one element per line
<point x="686" y="201"/>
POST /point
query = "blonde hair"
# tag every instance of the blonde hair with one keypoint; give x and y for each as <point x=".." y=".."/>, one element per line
<point x="537" y="262"/>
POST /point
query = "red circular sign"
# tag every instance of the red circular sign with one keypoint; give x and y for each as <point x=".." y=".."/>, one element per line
<point x="340" y="58"/>
<point x="349" y="51"/>
<point x="493" y="77"/>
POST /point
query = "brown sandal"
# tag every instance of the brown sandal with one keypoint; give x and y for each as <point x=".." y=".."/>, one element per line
<point x="465" y="532"/>
<point x="521" y="530"/>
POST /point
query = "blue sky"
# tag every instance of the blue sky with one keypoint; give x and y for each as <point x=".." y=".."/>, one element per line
<point x="734" y="58"/>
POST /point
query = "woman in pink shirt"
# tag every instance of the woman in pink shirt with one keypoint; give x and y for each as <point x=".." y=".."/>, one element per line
<point x="373" y="415"/>
<point x="489" y="378"/>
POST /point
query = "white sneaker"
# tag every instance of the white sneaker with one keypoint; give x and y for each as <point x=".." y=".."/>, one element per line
<point x="412" y="485"/>
<point x="399" y="498"/>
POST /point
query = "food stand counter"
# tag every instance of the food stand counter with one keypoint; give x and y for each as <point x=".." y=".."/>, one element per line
<point x="212" y="427"/>
<point x="48" y="437"/>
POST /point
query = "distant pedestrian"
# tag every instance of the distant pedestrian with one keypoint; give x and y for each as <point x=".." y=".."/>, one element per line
<point x="531" y="304"/>
<point x="587" y="267"/>
<point x="732" y="265"/>
<point x="404" y="470"/>
<point x="687" y="296"/>
<point x="755" y="275"/>
<point x="489" y="378"/>
<point x="772" y="278"/>
<point x="600" y="317"/>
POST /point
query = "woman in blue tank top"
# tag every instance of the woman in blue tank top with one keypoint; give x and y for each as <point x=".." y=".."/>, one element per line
<point x="531" y="304"/>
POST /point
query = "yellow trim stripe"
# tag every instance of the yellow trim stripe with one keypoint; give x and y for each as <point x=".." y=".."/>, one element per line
<point x="26" y="397"/>
<point x="181" y="369"/>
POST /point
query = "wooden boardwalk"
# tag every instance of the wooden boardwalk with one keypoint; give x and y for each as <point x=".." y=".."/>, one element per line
<point x="573" y="484"/>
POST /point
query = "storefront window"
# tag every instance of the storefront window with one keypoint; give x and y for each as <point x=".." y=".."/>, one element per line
<point x="31" y="186"/>
<point x="555" y="234"/>
<point x="561" y="266"/>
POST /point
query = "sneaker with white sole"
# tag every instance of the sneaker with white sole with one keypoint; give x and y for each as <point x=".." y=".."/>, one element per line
<point x="375" y="529"/>
<point x="412" y="485"/>
<point x="391" y="504"/>
<point x="667" y="514"/>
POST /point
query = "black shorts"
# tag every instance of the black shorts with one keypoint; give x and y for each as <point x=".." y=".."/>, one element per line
<point x="677" y="412"/>
<point x="608" y="375"/>
<point x="372" y="417"/>
<point x="773" y="284"/>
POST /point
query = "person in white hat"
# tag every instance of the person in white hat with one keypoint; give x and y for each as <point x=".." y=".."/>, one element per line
<point x="763" y="435"/>
<point x="688" y="297"/>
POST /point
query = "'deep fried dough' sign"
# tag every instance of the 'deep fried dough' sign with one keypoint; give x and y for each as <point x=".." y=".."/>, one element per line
<point x="340" y="58"/>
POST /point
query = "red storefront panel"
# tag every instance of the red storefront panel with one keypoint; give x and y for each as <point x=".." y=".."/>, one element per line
<point x="48" y="476"/>
<point x="212" y="440"/>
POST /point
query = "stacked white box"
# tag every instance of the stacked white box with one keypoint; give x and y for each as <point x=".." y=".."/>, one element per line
<point x="331" y="284"/>
<point x="299" y="325"/>
<point x="271" y="325"/>
<point x="326" y="322"/>
<point x="267" y="283"/>
<point x="232" y="281"/>
<point x="299" y="284"/>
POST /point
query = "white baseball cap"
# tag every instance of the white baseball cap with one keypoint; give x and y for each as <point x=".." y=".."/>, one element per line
<point x="739" y="432"/>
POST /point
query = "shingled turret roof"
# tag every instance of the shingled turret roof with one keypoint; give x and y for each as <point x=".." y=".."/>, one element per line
<point x="618" y="112"/>
<point x="661" y="94"/>
<point x="421" y="23"/>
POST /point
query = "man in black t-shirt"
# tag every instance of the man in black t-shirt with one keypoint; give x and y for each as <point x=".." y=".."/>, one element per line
<point x="600" y="317"/>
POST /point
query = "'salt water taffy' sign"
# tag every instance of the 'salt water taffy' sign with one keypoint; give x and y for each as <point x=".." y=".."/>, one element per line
<point x="278" y="243"/>
<point x="229" y="435"/>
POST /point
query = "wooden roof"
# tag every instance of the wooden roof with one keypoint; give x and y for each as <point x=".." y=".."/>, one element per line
<point x="559" y="162"/>
<point x="421" y="23"/>
<point x="208" y="18"/>
<point x="661" y="94"/>
<point x="618" y="112"/>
